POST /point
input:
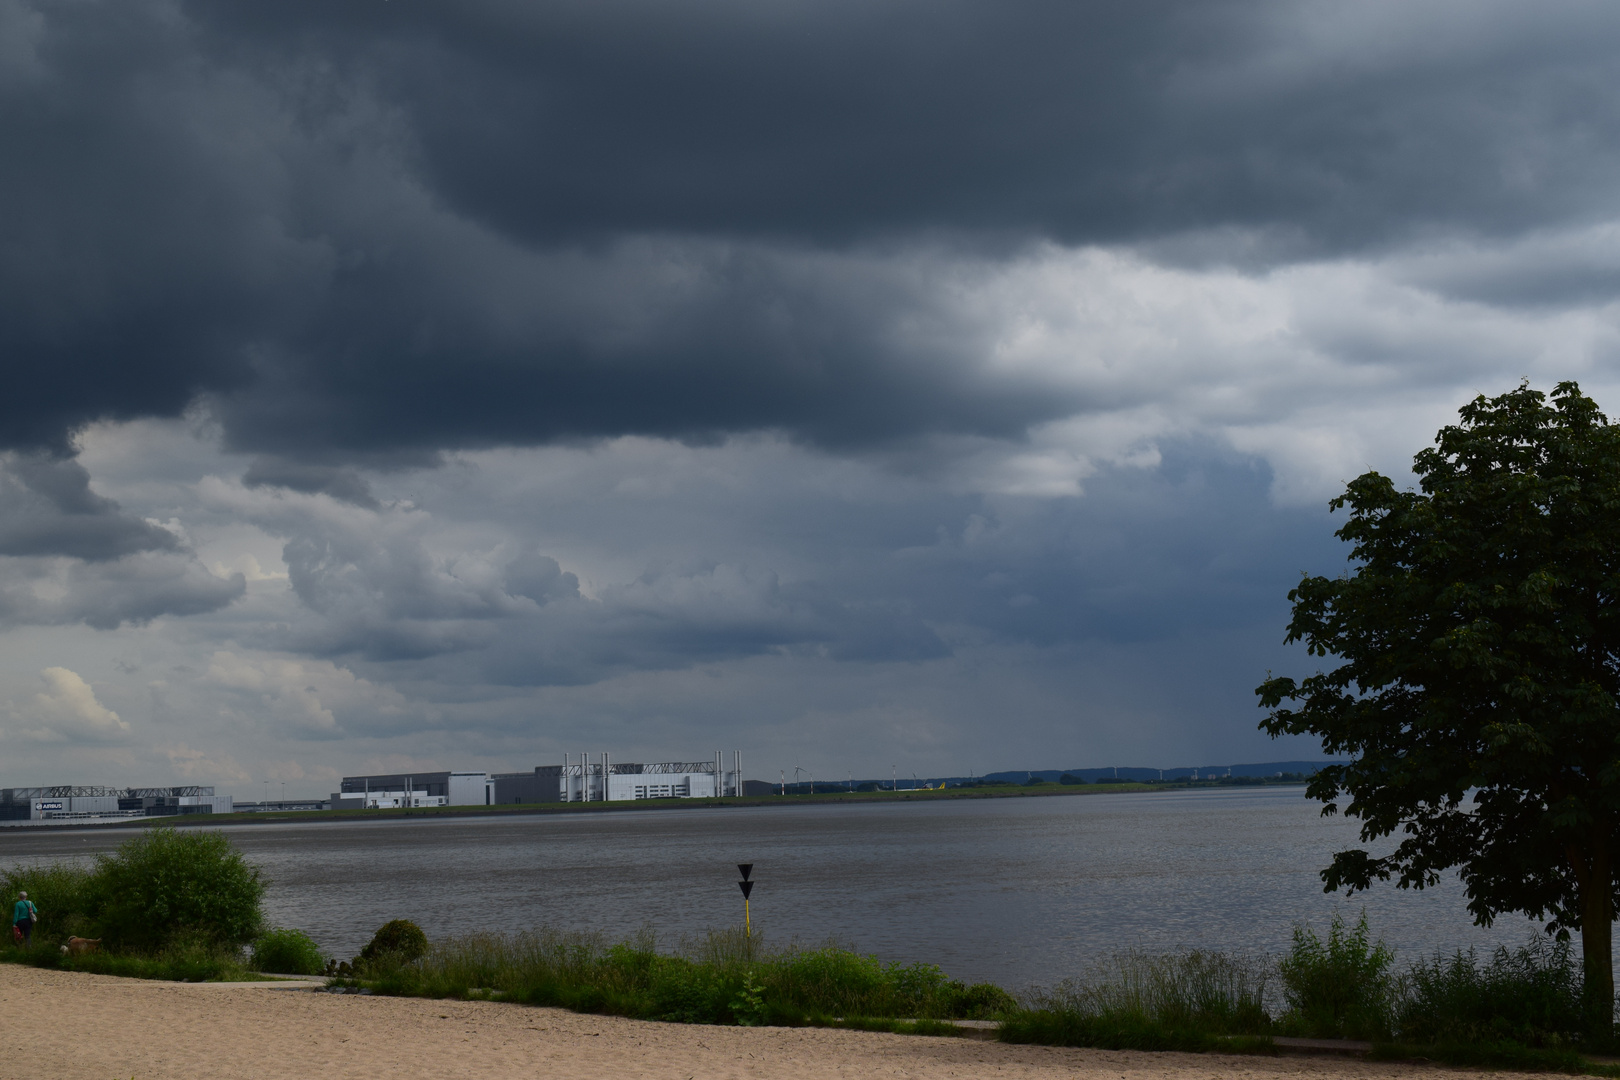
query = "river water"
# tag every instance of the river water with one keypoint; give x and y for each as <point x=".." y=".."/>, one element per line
<point x="1019" y="891"/>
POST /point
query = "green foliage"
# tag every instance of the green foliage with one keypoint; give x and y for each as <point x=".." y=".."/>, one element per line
<point x="61" y="891"/>
<point x="164" y="885"/>
<point x="1475" y="690"/>
<point x="1530" y="996"/>
<point x="1140" y="1001"/>
<point x="723" y="977"/>
<point x="161" y="891"/>
<point x="287" y="952"/>
<point x="1107" y="1031"/>
<point x="187" y="959"/>
<point x="397" y="942"/>
<point x="1070" y="778"/>
<point x="1340" y="988"/>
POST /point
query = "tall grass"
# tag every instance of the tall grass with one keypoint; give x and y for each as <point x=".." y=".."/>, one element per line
<point x="722" y="977"/>
<point x="1339" y="987"/>
<point x="1141" y="1001"/>
<point x="1530" y="996"/>
<point x="1521" y="1008"/>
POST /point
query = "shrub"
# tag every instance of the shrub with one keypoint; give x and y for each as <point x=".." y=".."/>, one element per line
<point x="1530" y="996"/>
<point x="287" y="952"/>
<point x="164" y="885"/>
<point x="62" y="893"/>
<point x="397" y="942"/>
<point x="1070" y="778"/>
<point x="1340" y="988"/>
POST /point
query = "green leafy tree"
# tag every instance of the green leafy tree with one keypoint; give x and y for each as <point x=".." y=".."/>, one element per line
<point x="1478" y="640"/>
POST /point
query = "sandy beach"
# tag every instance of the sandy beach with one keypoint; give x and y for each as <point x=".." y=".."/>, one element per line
<point x="65" y="1026"/>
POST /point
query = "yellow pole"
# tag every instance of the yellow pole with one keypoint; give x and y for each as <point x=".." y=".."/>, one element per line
<point x="748" y="926"/>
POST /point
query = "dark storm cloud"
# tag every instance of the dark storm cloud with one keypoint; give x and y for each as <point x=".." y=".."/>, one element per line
<point x="47" y="508"/>
<point x="1081" y="122"/>
<point x="395" y="227"/>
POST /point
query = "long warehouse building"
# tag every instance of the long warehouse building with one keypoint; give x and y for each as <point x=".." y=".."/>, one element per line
<point x="584" y="780"/>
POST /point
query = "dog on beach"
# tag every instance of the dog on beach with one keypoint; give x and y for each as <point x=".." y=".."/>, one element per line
<point x="78" y="946"/>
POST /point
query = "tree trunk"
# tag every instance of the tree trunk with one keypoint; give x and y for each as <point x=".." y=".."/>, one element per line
<point x="1597" y="942"/>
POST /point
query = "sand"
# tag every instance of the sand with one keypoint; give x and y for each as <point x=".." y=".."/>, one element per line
<point x="65" y="1026"/>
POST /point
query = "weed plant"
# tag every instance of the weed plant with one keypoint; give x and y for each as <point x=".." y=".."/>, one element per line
<point x="723" y="977"/>
<point x="1340" y="988"/>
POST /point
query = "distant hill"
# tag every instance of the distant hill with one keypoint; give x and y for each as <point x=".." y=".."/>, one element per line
<point x="1019" y="776"/>
<point x="1186" y="772"/>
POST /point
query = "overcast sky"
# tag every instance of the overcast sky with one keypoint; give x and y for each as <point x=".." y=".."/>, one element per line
<point x="946" y="386"/>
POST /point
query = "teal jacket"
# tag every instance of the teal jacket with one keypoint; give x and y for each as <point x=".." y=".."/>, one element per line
<point x="23" y="909"/>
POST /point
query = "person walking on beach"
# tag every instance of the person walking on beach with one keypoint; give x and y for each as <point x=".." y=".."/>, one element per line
<point x="23" y="916"/>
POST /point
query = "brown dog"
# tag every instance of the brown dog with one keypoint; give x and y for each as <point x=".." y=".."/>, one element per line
<point x="78" y="946"/>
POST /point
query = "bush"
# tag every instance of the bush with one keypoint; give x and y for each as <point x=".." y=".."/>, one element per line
<point x="398" y="942"/>
<point x="1530" y="996"/>
<point x="287" y="952"/>
<point x="163" y="886"/>
<point x="63" y="894"/>
<point x="1070" y="778"/>
<point x="1340" y="988"/>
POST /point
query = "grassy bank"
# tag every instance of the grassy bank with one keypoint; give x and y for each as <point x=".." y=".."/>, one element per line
<point x="722" y="977"/>
<point x="1518" y="1009"/>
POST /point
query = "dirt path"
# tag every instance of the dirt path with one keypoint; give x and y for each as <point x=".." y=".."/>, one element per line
<point x="65" y="1026"/>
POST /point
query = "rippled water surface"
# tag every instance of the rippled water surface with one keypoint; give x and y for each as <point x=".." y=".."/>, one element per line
<point x="1020" y="891"/>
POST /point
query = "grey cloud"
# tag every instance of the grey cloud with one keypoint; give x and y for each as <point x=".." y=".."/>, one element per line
<point x="134" y="590"/>
<point x="47" y="508"/>
<point x="70" y="555"/>
<point x="406" y="227"/>
<point x="540" y="578"/>
<point x="339" y="482"/>
<point x="742" y="569"/>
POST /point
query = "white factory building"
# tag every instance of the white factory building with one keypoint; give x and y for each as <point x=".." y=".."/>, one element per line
<point x="590" y="778"/>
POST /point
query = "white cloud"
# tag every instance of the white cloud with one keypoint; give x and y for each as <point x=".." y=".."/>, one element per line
<point x="66" y="711"/>
<point x="301" y="698"/>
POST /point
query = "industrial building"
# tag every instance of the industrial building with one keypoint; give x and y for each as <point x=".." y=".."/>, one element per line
<point x="584" y="780"/>
<point x="64" y="803"/>
<point x="394" y="790"/>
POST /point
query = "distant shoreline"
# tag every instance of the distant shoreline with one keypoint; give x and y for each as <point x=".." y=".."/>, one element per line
<point x="835" y="798"/>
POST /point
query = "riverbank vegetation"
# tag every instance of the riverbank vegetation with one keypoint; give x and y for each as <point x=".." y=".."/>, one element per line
<point x="164" y="905"/>
<point x="723" y="977"/>
<point x="1518" y="1008"/>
